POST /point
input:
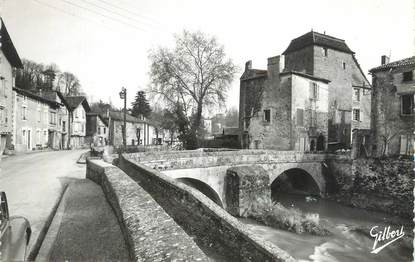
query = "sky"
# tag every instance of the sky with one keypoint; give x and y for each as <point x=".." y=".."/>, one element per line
<point x="106" y="42"/>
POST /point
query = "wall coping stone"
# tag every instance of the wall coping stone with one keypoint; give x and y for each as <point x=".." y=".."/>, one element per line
<point x="151" y="234"/>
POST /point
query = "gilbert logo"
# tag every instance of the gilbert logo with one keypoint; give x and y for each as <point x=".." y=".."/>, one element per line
<point x="382" y="236"/>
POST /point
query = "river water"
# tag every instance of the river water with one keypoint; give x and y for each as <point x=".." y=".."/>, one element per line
<point x="345" y="243"/>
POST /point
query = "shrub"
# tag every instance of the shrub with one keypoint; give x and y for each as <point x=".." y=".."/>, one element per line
<point x="291" y="219"/>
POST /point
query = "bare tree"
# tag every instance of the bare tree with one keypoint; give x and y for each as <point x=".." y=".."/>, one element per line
<point x="69" y="84"/>
<point x="196" y="73"/>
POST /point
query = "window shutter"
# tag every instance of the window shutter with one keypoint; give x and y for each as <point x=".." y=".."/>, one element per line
<point x="361" y="115"/>
<point x="404" y="143"/>
<point x="300" y="117"/>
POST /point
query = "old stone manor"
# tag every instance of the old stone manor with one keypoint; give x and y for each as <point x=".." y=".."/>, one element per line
<point x="311" y="98"/>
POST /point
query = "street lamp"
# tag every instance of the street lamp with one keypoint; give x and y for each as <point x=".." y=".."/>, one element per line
<point x="123" y="95"/>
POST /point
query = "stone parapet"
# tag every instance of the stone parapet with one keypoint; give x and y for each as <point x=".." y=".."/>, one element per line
<point x="150" y="233"/>
<point x="213" y="228"/>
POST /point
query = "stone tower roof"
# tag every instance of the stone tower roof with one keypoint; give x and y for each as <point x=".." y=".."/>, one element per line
<point x="315" y="38"/>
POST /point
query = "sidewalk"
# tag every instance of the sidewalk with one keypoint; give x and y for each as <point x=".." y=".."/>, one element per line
<point x="84" y="228"/>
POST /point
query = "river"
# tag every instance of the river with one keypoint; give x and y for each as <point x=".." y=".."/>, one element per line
<point x="345" y="243"/>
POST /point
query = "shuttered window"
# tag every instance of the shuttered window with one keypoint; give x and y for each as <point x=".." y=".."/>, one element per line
<point x="300" y="117"/>
<point x="404" y="145"/>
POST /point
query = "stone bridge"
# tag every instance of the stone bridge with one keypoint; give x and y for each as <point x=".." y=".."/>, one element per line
<point x="207" y="170"/>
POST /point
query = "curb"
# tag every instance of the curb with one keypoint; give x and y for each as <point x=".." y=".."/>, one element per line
<point x="38" y="243"/>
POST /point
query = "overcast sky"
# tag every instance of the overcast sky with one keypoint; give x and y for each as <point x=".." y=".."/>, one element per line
<point x="106" y="42"/>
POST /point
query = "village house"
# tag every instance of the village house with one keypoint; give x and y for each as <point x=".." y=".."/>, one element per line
<point x="77" y="107"/>
<point x="138" y="131"/>
<point x="31" y="120"/>
<point x="393" y="110"/>
<point x="58" y="120"/>
<point x="311" y="98"/>
<point x="96" y="129"/>
<point x="9" y="62"/>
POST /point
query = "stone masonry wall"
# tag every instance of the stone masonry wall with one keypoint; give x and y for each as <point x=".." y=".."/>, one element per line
<point x="385" y="186"/>
<point x="150" y="233"/>
<point x="212" y="226"/>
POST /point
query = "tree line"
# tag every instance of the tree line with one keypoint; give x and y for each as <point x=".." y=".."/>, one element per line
<point x="36" y="76"/>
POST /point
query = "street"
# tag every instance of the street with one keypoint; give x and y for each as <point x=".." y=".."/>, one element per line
<point x="33" y="182"/>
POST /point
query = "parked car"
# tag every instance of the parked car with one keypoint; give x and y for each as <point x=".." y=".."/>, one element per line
<point x="15" y="234"/>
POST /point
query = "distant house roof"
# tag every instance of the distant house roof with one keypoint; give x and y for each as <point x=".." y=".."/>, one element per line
<point x="306" y="76"/>
<point x="315" y="38"/>
<point x="93" y="114"/>
<point x="36" y="97"/>
<point x="73" y="102"/>
<point x="410" y="61"/>
<point x="8" y="48"/>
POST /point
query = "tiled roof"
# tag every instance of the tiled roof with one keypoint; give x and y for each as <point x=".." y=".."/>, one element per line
<point x="410" y="61"/>
<point x="314" y="38"/>
<point x="8" y="48"/>
<point x="253" y="73"/>
<point x="74" y="101"/>
<point x="306" y="76"/>
<point x="36" y="96"/>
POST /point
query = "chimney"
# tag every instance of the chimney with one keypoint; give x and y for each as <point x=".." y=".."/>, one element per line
<point x="273" y="67"/>
<point x="108" y="113"/>
<point x="384" y="60"/>
<point x="248" y="65"/>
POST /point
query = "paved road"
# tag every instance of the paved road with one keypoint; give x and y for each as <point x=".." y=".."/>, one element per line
<point x="34" y="181"/>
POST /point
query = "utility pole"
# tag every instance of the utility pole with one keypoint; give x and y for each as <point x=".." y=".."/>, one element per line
<point x="123" y="95"/>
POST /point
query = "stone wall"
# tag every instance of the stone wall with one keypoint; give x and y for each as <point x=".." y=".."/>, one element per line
<point x="385" y="185"/>
<point x="212" y="227"/>
<point x="150" y="233"/>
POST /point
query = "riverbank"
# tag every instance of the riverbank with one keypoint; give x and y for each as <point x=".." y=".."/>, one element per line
<point x="380" y="185"/>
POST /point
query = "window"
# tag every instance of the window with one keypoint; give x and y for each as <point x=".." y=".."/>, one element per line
<point x="63" y="126"/>
<point x="24" y="113"/>
<point x="407" y="104"/>
<point x="52" y="118"/>
<point x="6" y="120"/>
<point x="267" y="115"/>
<point x="356" y="114"/>
<point x="300" y="117"/>
<point x="99" y="130"/>
<point x="408" y="76"/>
<point x="314" y="91"/>
<point x="105" y="130"/>
<point x="76" y="113"/>
<point x="82" y="128"/>
<point x="344" y="65"/>
<point x="325" y="51"/>
<point x="357" y="94"/>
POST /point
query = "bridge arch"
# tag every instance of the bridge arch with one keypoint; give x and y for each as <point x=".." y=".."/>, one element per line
<point x="203" y="188"/>
<point x="296" y="180"/>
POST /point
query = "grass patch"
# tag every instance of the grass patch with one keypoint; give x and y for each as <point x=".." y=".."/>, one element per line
<point x="291" y="219"/>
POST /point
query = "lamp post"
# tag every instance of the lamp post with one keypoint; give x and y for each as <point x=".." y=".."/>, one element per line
<point x="123" y="95"/>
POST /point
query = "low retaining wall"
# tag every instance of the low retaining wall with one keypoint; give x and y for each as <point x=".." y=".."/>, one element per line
<point x="214" y="229"/>
<point x="150" y="233"/>
<point x="379" y="185"/>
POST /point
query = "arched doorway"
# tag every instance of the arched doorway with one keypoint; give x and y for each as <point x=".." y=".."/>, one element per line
<point x="203" y="188"/>
<point x="294" y="181"/>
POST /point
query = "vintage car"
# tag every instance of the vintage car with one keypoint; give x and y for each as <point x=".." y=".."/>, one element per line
<point x="15" y="234"/>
